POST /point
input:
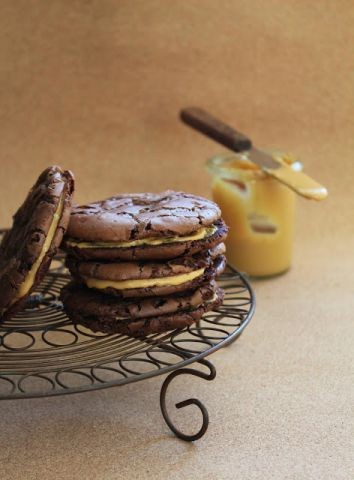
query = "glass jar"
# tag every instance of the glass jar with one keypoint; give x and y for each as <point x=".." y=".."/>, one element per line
<point x="259" y="212"/>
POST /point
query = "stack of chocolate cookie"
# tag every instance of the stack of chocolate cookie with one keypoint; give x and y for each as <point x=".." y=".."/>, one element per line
<point x="144" y="263"/>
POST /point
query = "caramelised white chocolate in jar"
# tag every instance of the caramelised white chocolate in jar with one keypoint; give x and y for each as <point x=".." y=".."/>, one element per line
<point x="259" y="212"/>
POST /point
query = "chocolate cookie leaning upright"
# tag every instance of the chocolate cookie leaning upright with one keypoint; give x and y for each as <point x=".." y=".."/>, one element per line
<point x="145" y="226"/>
<point x="38" y="227"/>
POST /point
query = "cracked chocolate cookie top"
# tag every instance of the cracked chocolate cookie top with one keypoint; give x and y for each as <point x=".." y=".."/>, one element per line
<point x="36" y="233"/>
<point x="142" y="215"/>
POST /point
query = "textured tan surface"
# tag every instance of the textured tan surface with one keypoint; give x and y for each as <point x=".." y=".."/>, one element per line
<point x="95" y="86"/>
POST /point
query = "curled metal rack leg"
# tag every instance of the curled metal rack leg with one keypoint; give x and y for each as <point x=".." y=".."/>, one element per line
<point x="190" y="401"/>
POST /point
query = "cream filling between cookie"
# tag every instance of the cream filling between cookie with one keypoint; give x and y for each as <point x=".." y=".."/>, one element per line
<point x="198" y="235"/>
<point x="148" y="282"/>
<point x="31" y="275"/>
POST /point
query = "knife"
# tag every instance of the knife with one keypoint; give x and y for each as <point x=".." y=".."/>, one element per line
<point x="222" y="133"/>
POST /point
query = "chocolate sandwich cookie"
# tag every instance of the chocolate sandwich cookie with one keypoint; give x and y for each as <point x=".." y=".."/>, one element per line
<point x="37" y="231"/>
<point x="145" y="226"/>
<point x="146" y="279"/>
<point x="138" y="317"/>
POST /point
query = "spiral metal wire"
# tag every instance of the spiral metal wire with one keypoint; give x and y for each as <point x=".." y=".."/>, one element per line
<point x="43" y="354"/>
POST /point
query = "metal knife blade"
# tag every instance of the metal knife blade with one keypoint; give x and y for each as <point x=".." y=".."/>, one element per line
<point x="262" y="159"/>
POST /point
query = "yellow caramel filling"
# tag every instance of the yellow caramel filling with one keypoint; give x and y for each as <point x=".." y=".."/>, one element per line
<point x="31" y="275"/>
<point x="149" y="282"/>
<point x="198" y="235"/>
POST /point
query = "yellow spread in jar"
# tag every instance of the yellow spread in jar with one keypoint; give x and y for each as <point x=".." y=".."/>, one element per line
<point x="260" y="214"/>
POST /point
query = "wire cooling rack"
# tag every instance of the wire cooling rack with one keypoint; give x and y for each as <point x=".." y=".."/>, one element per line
<point x="43" y="354"/>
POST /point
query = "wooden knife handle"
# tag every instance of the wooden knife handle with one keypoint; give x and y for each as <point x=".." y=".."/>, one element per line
<point x="215" y="129"/>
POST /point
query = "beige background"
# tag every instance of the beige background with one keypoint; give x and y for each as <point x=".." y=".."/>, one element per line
<point x="96" y="87"/>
